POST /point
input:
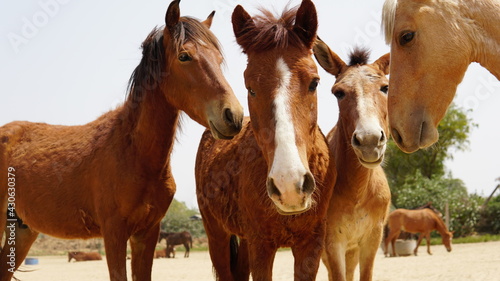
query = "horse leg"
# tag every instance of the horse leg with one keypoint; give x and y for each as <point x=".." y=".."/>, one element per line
<point x="143" y="248"/>
<point x="115" y="244"/>
<point x="351" y="261"/>
<point x="428" y="239"/>
<point x="391" y="238"/>
<point x="186" y="246"/>
<point x="368" y="251"/>
<point x="418" y="243"/>
<point x="334" y="258"/>
<point x="307" y="255"/>
<point x="242" y="270"/>
<point x="261" y="257"/>
<point x="218" y="248"/>
<point x="18" y="239"/>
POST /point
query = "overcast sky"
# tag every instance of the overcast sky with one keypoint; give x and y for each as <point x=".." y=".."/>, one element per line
<point x="67" y="62"/>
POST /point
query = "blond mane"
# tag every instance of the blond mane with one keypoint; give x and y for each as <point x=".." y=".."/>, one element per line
<point x="388" y="16"/>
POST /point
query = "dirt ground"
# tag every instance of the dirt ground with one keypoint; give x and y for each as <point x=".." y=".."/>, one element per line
<point x="479" y="261"/>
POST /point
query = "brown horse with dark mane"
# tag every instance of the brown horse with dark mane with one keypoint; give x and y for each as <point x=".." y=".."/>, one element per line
<point x="111" y="178"/>
<point x="176" y="238"/>
<point x="421" y="221"/>
<point x="270" y="186"/>
<point x="361" y="197"/>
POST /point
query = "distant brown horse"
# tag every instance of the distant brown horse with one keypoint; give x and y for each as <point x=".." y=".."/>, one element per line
<point x="160" y="254"/>
<point x="84" y="256"/>
<point x="361" y="197"/>
<point x="271" y="184"/>
<point x="416" y="221"/>
<point x="111" y="178"/>
<point x="176" y="238"/>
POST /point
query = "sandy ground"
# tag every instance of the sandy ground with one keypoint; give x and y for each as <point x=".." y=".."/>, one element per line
<point x="479" y="261"/>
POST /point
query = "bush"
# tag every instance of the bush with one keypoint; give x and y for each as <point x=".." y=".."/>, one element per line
<point x="178" y="219"/>
<point x="490" y="217"/>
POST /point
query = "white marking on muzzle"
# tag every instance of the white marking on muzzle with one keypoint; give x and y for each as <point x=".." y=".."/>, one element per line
<point x="287" y="170"/>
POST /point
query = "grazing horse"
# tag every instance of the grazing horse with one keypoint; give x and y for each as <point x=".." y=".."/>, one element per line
<point x="361" y="197"/>
<point x="416" y="221"/>
<point x="432" y="44"/>
<point x="269" y="187"/>
<point x="84" y="256"/>
<point x="176" y="238"/>
<point x="111" y="178"/>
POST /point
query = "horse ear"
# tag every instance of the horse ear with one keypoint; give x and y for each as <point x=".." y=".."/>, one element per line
<point x="328" y="60"/>
<point x="242" y="25"/>
<point x="383" y="64"/>
<point x="208" y="21"/>
<point x="306" y="22"/>
<point x="173" y="15"/>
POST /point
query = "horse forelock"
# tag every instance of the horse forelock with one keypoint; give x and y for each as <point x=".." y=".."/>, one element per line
<point x="359" y="56"/>
<point x="151" y="69"/>
<point x="388" y="18"/>
<point x="272" y="32"/>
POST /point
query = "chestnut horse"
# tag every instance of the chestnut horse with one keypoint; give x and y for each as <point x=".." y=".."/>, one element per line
<point x="361" y="197"/>
<point x="84" y="256"/>
<point x="416" y="221"/>
<point x="432" y="44"/>
<point x="111" y="178"/>
<point x="176" y="238"/>
<point x="271" y="184"/>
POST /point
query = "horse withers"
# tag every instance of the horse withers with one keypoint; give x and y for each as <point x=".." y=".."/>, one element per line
<point x="432" y="44"/>
<point x="112" y="178"/>
<point x="361" y="197"/>
<point x="416" y="221"/>
<point x="269" y="187"/>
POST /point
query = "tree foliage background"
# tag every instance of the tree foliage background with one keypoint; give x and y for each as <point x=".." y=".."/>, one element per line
<point x="178" y="219"/>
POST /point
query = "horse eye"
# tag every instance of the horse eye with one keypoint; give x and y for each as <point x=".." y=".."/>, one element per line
<point x="251" y="92"/>
<point x="384" y="89"/>
<point x="184" y="57"/>
<point x="339" y="94"/>
<point x="313" y="85"/>
<point x="406" y="38"/>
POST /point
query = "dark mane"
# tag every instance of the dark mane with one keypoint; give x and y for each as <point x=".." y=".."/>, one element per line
<point x="359" y="56"/>
<point x="272" y="32"/>
<point x="152" y="68"/>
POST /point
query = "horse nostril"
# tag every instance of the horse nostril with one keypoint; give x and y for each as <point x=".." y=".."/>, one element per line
<point x="309" y="183"/>
<point x="396" y="136"/>
<point x="272" y="189"/>
<point x="228" y="116"/>
<point x="355" y="140"/>
<point x="382" y="136"/>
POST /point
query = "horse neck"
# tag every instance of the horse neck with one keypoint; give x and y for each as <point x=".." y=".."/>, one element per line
<point x="354" y="173"/>
<point x="484" y="32"/>
<point x="152" y="122"/>
<point x="440" y="226"/>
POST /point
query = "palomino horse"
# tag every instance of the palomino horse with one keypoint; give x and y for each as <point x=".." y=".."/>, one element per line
<point x="416" y="221"/>
<point x="361" y="196"/>
<point x="84" y="256"/>
<point x="176" y="238"/>
<point x="432" y="44"/>
<point x="111" y="178"/>
<point x="271" y="184"/>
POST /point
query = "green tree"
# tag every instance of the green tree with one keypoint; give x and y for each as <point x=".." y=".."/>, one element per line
<point x="178" y="218"/>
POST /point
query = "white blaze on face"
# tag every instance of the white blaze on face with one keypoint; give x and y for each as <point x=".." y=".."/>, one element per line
<point x="287" y="170"/>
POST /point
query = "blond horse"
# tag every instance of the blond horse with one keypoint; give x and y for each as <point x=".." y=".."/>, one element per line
<point x="358" y="141"/>
<point x="432" y="44"/>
